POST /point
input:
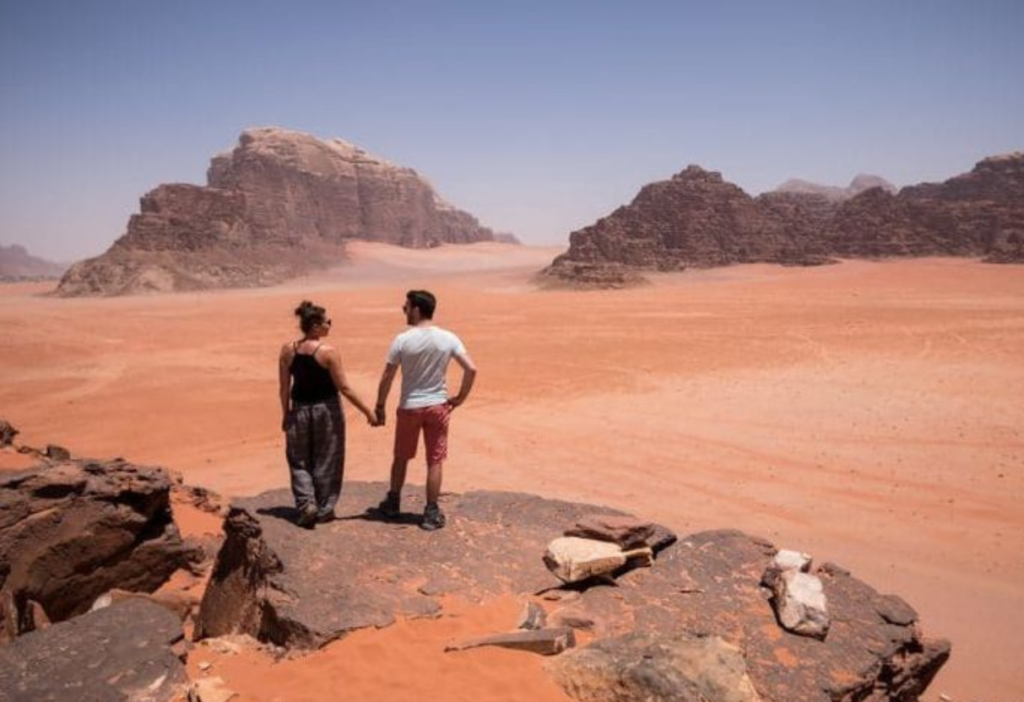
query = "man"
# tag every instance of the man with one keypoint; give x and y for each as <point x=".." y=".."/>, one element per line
<point x="423" y="353"/>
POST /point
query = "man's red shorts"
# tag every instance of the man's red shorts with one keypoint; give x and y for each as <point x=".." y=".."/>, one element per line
<point x="434" y="423"/>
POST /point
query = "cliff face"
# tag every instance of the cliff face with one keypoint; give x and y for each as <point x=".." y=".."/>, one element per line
<point x="18" y="264"/>
<point x="695" y="219"/>
<point x="281" y="203"/>
<point x="980" y="213"/>
<point x="698" y="219"/>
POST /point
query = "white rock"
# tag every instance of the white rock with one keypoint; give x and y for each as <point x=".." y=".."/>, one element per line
<point x="792" y="560"/>
<point x="104" y="600"/>
<point x="800" y="604"/>
<point x="210" y="690"/>
<point x="572" y="558"/>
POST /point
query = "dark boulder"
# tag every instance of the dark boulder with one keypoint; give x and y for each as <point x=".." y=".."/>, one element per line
<point x="127" y="652"/>
<point x="71" y="531"/>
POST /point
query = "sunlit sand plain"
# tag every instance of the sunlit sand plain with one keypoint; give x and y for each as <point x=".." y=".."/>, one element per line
<point x="869" y="413"/>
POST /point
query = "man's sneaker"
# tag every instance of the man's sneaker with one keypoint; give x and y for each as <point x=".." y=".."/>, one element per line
<point x="433" y="518"/>
<point x="326" y="517"/>
<point x="391" y="506"/>
<point x="307" y="516"/>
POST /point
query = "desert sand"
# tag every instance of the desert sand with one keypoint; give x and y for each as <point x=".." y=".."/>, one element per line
<point x="868" y="413"/>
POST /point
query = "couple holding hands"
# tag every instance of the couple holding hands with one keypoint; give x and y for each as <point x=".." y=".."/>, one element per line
<point x="312" y="378"/>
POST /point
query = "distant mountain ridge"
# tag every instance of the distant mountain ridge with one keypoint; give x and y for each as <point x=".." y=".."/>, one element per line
<point x="280" y="204"/>
<point x="16" y="263"/>
<point x="697" y="219"/>
<point x="859" y="184"/>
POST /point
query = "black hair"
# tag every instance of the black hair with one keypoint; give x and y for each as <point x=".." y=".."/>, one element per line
<point x="424" y="301"/>
<point x="309" y="315"/>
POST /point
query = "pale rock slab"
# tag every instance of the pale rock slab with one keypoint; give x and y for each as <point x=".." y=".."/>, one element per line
<point x="800" y="604"/>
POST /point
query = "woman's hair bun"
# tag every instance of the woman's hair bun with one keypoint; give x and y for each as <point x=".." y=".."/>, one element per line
<point x="303" y="308"/>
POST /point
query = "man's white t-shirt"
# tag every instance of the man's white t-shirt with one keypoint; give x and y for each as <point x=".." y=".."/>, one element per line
<point x="423" y="354"/>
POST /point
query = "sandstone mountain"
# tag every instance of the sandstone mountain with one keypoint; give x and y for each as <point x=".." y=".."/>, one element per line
<point x="698" y="219"/>
<point x="859" y="184"/>
<point x="279" y="204"/>
<point x="18" y="264"/>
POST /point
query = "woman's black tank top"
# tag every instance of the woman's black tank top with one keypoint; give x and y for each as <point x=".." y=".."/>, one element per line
<point x="312" y="382"/>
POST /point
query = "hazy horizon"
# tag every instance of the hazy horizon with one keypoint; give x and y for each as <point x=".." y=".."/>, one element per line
<point x="536" y="119"/>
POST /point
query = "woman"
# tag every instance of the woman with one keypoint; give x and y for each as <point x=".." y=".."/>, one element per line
<point x="311" y="377"/>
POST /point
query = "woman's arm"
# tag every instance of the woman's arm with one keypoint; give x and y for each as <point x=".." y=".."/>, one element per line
<point x="333" y="361"/>
<point x="284" y="382"/>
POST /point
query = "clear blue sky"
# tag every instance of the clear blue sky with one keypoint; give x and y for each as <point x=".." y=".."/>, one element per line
<point x="537" y="117"/>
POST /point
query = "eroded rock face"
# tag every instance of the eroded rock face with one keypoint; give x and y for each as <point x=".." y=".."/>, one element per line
<point x="980" y="213"/>
<point x="278" y="205"/>
<point x="696" y="219"/>
<point x="302" y="589"/>
<point x="122" y="653"/>
<point x="71" y="531"/>
<point x="640" y="666"/>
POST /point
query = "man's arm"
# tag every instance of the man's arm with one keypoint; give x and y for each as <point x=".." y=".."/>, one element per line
<point x="383" y="389"/>
<point x="284" y="382"/>
<point x="468" y="378"/>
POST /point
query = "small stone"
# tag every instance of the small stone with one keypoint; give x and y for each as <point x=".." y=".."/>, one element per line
<point x="574" y="559"/>
<point x="7" y="433"/>
<point x="57" y="453"/>
<point x="104" y="600"/>
<point x="546" y="642"/>
<point x="628" y="532"/>
<point x="532" y="617"/>
<point x="792" y="560"/>
<point x="205" y="665"/>
<point x="800" y="604"/>
<point x="210" y="690"/>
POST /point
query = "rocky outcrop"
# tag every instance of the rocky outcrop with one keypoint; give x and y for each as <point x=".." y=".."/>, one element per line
<point x="128" y="652"/>
<point x="71" y="531"/>
<point x="859" y="184"/>
<point x="18" y="264"/>
<point x="701" y="600"/>
<point x="696" y="219"/>
<point x="980" y="213"/>
<point x="278" y="205"/>
<point x="507" y="238"/>
<point x="639" y="666"/>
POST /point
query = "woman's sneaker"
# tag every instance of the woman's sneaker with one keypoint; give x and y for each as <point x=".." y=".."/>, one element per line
<point x="307" y="516"/>
<point x="433" y="518"/>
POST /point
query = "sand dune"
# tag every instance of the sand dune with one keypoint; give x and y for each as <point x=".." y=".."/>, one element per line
<point x="868" y="413"/>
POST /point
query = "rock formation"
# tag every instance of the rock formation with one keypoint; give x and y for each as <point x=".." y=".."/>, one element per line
<point x="696" y="219"/>
<point x="980" y="213"/>
<point x="71" y="531"/>
<point x="18" y="264"/>
<point x="859" y="184"/>
<point x="700" y="602"/>
<point x="128" y="652"/>
<point x="281" y="203"/>
<point x="507" y="238"/>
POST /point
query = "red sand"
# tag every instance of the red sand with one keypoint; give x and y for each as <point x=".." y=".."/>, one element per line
<point x="868" y="413"/>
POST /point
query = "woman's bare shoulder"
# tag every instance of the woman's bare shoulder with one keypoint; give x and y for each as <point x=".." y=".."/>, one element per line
<point x="288" y="349"/>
